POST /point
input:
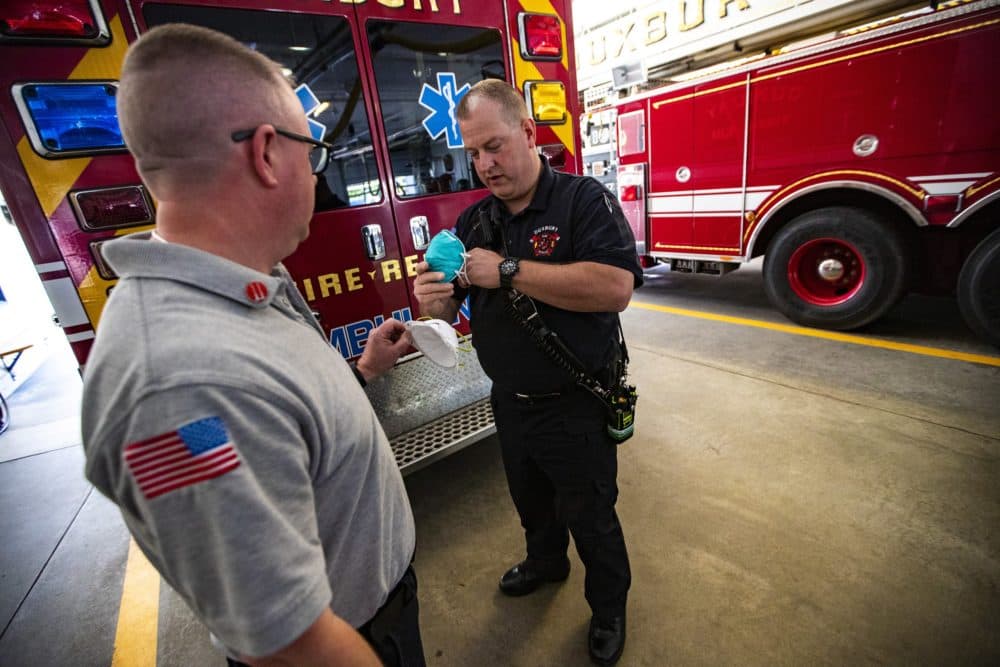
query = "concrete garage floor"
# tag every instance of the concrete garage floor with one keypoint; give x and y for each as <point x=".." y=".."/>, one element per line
<point x="786" y="501"/>
<point x="767" y="526"/>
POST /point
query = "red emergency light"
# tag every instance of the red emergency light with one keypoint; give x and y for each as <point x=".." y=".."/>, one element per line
<point x="555" y="154"/>
<point x="630" y="193"/>
<point x="65" y="18"/>
<point x="541" y="36"/>
<point x="112" y="208"/>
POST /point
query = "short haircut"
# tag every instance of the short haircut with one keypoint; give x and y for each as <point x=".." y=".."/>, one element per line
<point x="184" y="89"/>
<point x="502" y="93"/>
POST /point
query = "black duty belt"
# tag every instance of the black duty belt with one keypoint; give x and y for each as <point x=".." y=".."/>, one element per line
<point x="533" y="398"/>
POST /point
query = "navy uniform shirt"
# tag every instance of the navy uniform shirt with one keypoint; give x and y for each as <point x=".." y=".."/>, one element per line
<point x="570" y="219"/>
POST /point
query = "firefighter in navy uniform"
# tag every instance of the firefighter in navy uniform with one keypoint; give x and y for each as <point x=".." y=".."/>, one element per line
<point x="562" y="240"/>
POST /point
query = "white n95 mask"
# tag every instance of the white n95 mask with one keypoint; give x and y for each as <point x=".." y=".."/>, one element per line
<point x="437" y="339"/>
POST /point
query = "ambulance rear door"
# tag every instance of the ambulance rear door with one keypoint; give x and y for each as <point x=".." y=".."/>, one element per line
<point x="420" y="63"/>
<point x="350" y="269"/>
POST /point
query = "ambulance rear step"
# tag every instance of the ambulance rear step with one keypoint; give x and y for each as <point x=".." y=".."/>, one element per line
<point x="428" y="411"/>
<point x="447" y="435"/>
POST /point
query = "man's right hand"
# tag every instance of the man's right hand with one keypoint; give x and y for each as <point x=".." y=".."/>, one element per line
<point x="434" y="296"/>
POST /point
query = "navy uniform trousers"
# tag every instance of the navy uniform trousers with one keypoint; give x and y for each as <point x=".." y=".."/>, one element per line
<point x="562" y="470"/>
<point x="394" y="631"/>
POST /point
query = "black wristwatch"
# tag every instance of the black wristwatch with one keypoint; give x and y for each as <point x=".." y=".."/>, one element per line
<point x="508" y="269"/>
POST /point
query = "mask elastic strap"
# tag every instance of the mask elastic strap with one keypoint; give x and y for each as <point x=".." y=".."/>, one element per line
<point x="461" y="270"/>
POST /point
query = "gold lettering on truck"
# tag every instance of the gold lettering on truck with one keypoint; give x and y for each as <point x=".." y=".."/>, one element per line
<point x="699" y="15"/>
<point x="391" y="270"/>
<point x="624" y="33"/>
<point x="418" y="5"/>
<point x="353" y="277"/>
<point x="411" y="265"/>
<point x="351" y="280"/>
<point x="327" y="281"/>
<point x="656" y="27"/>
<point x="724" y="6"/>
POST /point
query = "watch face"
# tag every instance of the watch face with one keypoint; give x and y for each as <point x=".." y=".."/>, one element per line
<point x="508" y="267"/>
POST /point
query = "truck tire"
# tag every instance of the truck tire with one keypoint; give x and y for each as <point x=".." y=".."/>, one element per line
<point x="979" y="289"/>
<point x="836" y="268"/>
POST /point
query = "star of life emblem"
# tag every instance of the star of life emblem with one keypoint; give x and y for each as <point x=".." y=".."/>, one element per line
<point x="441" y="102"/>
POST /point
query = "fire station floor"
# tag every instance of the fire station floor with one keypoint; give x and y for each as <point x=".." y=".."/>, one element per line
<point x="787" y="500"/>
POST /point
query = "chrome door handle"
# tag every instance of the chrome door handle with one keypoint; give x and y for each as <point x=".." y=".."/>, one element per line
<point x="420" y="232"/>
<point x="371" y="235"/>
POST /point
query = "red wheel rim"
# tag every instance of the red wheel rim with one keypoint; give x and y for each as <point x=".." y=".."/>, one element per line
<point x="826" y="272"/>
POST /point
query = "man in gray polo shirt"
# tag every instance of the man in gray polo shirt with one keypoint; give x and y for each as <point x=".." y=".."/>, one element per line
<point x="240" y="447"/>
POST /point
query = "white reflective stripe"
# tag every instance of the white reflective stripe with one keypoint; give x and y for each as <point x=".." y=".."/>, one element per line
<point x="66" y="302"/>
<point x="717" y="191"/>
<point x="949" y="177"/>
<point x="689" y="214"/>
<point x="725" y="191"/>
<point x="671" y="203"/>
<point x="755" y="199"/>
<point x="82" y="335"/>
<point x="946" y="188"/>
<point x="50" y="267"/>
<point x="726" y="203"/>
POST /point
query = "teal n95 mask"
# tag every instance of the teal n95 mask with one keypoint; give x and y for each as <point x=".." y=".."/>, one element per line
<point x="437" y="339"/>
<point x="446" y="253"/>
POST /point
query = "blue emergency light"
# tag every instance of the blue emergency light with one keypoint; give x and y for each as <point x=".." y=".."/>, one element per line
<point x="66" y="119"/>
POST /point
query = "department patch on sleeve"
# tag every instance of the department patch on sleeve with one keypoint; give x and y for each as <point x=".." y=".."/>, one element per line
<point x="194" y="453"/>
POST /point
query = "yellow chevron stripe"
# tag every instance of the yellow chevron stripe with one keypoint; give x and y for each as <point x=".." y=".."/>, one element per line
<point x="51" y="179"/>
<point x="545" y="7"/>
<point x="105" y="62"/>
<point x="93" y="292"/>
<point x="526" y="71"/>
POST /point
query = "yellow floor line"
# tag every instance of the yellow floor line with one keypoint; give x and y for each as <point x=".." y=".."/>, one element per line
<point x="828" y="335"/>
<point x="135" y="638"/>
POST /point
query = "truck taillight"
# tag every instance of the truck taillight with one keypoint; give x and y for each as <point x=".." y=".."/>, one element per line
<point x="629" y="193"/>
<point x="62" y="18"/>
<point x="112" y="208"/>
<point x="541" y="36"/>
<point x="555" y="154"/>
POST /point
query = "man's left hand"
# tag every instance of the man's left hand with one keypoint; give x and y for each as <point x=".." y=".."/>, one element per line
<point x="385" y="345"/>
<point x="482" y="266"/>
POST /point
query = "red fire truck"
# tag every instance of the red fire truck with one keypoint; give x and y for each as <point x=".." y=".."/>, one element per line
<point x="860" y="167"/>
<point x="385" y="75"/>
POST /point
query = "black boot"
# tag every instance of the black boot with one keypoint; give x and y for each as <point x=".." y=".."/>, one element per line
<point x="606" y="640"/>
<point x="528" y="575"/>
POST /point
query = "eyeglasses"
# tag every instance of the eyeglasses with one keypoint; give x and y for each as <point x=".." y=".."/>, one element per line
<point x="319" y="156"/>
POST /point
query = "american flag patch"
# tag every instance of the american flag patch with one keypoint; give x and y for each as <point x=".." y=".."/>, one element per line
<point x="193" y="453"/>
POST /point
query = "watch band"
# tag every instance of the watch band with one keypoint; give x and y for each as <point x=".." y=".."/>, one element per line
<point x="508" y="269"/>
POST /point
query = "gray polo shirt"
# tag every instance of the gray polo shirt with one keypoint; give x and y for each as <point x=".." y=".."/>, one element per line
<point x="245" y="457"/>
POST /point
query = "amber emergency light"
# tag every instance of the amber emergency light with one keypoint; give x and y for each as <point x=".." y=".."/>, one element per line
<point x="547" y="101"/>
